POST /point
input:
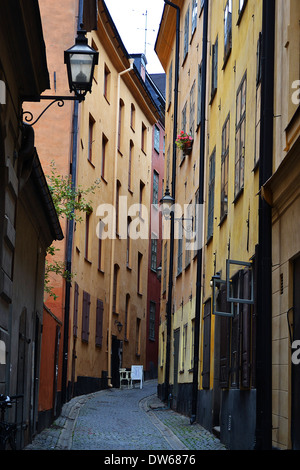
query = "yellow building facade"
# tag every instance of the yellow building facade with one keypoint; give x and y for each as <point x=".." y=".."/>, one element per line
<point x="109" y="287"/>
<point x="229" y="231"/>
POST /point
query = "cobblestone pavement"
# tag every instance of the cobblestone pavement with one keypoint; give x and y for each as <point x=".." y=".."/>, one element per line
<point x="123" y="419"/>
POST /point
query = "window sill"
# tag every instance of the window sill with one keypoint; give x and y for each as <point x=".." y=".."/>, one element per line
<point x="238" y="195"/>
<point x="208" y="241"/>
<point x="223" y="218"/>
<point x="226" y="58"/>
<point x="91" y="163"/>
<point x="213" y="94"/>
<point x="256" y="166"/>
<point x="87" y="260"/>
<point x="241" y="13"/>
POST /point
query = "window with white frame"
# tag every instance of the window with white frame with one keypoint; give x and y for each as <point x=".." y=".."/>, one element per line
<point x="240" y="136"/>
<point x="194" y="15"/>
<point x="227" y="29"/>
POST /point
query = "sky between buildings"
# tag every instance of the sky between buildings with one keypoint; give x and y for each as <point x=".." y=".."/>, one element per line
<point x="137" y="22"/>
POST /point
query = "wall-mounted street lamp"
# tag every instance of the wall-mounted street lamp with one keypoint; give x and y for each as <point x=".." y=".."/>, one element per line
<point x="167" y="201"/>
<point x="80" y="60"/>
<point x="119" y="325"/>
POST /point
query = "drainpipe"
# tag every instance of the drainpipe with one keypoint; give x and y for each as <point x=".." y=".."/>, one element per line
<point x="114" y="230"/>
<point x="70" y="237"/>
<point x="172" y="222"/>
<point x="264" y="294"/>
<point x="200" y="202"/>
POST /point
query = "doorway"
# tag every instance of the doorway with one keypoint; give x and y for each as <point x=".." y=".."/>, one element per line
<point x="176" y="358"/>
<point x="116" y="361"/>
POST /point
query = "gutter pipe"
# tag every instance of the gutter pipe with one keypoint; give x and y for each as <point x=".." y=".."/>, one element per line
<point x="70" y="236"/>
<point x="200" y="202"/>
<point x="172" y="222"/>
<point x="263" y="436"/>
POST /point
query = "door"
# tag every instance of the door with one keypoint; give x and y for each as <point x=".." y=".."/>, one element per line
<point x="296" y="367"/>
<point x="116" y="361"/>
<point x="176" y="358"/>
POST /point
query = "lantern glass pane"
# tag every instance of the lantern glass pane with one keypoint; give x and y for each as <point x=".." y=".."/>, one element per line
<point x="81" y="68"/>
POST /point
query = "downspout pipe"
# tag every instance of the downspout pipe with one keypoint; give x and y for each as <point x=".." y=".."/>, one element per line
<point x="114" y="196"/>
<point x="200" y="207"/>
<point x="70" y="235"/>
<point x="263" y="437"/>
<point x="172" y="221"/>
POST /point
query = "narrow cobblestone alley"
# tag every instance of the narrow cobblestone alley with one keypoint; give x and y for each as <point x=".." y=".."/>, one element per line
<point x="123" y="419"/>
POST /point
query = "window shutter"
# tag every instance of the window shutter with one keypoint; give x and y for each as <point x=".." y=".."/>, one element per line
<point x="85" y="316"/>
<point x="206" y="345"/>
<point x="75" y="313"/>
<point x="224" y="339"/>
<point x="246" y="325"/>
<point x="99" y="323"/>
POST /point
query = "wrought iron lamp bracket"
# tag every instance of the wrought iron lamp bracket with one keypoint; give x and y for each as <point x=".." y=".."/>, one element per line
<point x="60" y="100"/>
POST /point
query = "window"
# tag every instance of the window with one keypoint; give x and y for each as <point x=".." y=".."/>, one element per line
<point x="139" y="273"/>
<point x="115" y="289"/>
<point x="128" y="247"/>
<point x="99" y="323"/>
<point x="144" y="138"/>
<point x="141" y="201"/>
<point x="104" y="147"/>
<point x="237" y="357"/>
<point x="193" y="343"/>
<point x="120" y="124"/>
<point x="132" y="116"/>
<point x="184" y="343"/>
<point x="170" y="82"/>
<point x="179" y="247"/>
<point x="156" y="138"/>
<point x="165" y="266"/>
<point x="91" y="138"/>
<point x="194" y="15"/>
<point x="192" y="109"/>
<point x="126" y="326"/>
<point x="130" y="160"/>
<point x="152" y="311"/>
<point x="242" y="4"/>
<point x="87" y="235"/>
<point x="118" y="186"/>
<point x="224" y="167"/>
<point x="211" y="195"/>
<point x="153" y="252"/>
<point x="75" y="312"/>
<point x="186" y="33"/>
<point x="138" y="337"/>
<point x="107" y="78"/>
<point x="206" y="345"/>
<point x="258" y="101"/>
<point x="227" y="30"/>
<point x="199" y="105"/>
<point x="155" y="187"/>
<point x="188" y="228"/>
<point x="183" y="118"/>
<point x="240" y="137"/>
<point x="214" y="73"/>
<point x="100" y="247"/>
<point x="86" y="302"/>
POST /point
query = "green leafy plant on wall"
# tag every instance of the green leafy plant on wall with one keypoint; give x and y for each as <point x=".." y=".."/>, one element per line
<point x="70" y="202"/>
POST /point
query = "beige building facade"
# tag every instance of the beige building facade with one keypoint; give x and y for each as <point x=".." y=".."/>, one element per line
<point x="111" y="246"/>
<point x="282" y="193"/>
